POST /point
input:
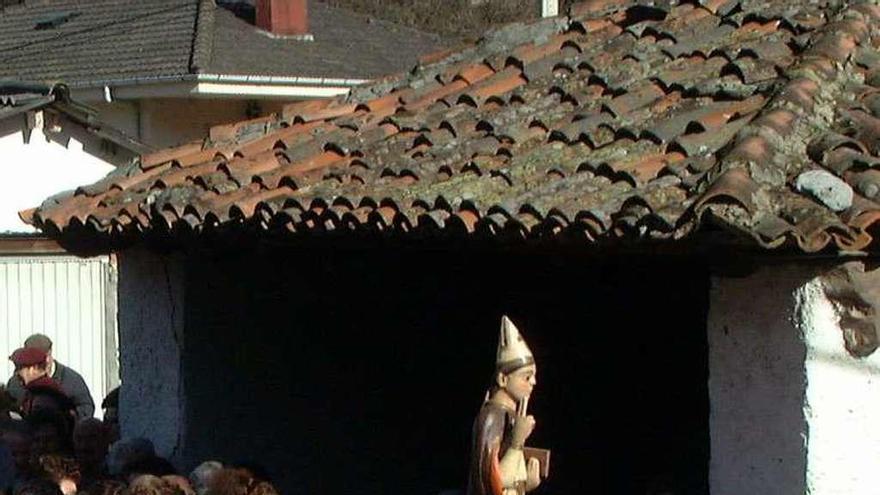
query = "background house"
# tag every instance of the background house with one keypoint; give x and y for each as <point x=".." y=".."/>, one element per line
<point x="163" y="71"/>
<point x="158" y="72"/>
<point x="664" y="197"/>
<point x="49" y="144"/>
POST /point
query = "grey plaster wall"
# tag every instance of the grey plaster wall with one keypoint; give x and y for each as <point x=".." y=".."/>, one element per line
<point x="757" y="384"/>
<point x="151" y="299"/>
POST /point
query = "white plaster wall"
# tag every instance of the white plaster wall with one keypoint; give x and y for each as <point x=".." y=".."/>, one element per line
<point x="151" y="301"/>
<point x="165" y="122"/>
<point x="29" y="173"/>
<point x="172" y="121"/>
<point x="842" y="403"/>
<point x="756" y="385"/>
<point x="791" y="411"/>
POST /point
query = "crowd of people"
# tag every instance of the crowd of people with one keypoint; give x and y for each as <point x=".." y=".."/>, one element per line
<point x="50" y="443"/>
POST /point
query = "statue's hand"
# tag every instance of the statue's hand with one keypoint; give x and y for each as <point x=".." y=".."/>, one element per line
<point x="522" y="428"/>
<point x="533" y="474"/>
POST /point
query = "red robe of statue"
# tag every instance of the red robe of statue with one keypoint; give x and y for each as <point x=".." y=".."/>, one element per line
<point x="491" y="438"/>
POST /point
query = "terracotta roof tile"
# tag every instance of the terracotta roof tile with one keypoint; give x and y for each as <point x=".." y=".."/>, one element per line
<point x="628" y="118"/>
<point x="592" y="8"/>
<point x="164" y="156"/>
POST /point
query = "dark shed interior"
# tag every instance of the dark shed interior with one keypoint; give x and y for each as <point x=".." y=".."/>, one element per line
<point x="360" y="371"/>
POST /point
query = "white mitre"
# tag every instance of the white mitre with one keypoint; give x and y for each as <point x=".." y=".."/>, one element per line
<point x="513" y="353"/>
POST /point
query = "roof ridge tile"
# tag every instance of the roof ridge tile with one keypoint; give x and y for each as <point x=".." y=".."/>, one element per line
<point x="816" y="83"/>
<point x="203" y="37"/>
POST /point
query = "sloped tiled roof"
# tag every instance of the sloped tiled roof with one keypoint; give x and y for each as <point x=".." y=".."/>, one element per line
<point x="345" y="45"/>
<point x="95" y="42"/>
<point x="624" y="119"/>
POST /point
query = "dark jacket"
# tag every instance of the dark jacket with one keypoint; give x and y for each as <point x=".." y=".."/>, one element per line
<point x="71" y="383"/>
<point x="45" y="393"/>
<point x="7" y="470"/>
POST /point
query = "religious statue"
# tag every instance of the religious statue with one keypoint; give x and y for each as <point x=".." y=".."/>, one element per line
<point x="501" y="464"/>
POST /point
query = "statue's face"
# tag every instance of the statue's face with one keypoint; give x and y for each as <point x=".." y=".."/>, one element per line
<point x="520" y="383"/>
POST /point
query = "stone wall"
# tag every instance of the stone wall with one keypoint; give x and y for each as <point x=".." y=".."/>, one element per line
<point x="151" y="322"/>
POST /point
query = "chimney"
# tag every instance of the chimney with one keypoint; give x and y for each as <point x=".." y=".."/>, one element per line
<point x="549" y="8"/>
<point x="283" y="17"/>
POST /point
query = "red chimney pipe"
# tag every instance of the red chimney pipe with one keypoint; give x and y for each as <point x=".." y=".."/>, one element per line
<point x="283" y="17"/>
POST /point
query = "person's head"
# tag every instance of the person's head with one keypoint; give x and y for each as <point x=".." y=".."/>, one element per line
<point x="110" y="405"/>
<point x="126" y="452"/>
<point x="200" y="477"/>
<point x="41" y="342"/>
<point x="30" y="363"/>
<point x="147" y="484"/>
<point x="53" y="400"/>
<point x="257" y="470"/>
<point x="90" y="443"/>
<point x="62" y="470"/>
<point x="180" y="483"/>
<point x="237" y="481"/>
<point x="50" y="433"/>
<point x="153" y="465"/>
<point x="519" y="383"/>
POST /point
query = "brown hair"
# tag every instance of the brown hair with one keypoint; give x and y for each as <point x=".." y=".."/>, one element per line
<point x="180" y="483"/>
<point x="147" y="484"/>
<point x="237" y="481"/>
<point x="57" y="468"/>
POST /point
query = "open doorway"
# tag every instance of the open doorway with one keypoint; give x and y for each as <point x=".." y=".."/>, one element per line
<point x="360" y="372"/>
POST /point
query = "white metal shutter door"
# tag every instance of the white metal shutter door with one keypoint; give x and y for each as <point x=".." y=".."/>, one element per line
<point x="65" y="298"/>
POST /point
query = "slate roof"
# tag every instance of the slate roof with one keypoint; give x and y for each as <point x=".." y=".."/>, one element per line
<point x="94" y="42"/>
<point x="626" y="119"/>
<point x="103" y="40"/>
<point x="345" y="45"/>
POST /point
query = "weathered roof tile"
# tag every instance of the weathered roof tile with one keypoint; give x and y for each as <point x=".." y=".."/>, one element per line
<point x="626" y="119"/>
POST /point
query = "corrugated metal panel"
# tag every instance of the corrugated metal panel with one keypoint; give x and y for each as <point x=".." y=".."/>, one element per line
<point x="66" y="298"/>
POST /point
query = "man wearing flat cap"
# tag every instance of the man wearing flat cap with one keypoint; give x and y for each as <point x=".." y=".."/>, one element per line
<point x="40" y="391"/>
<point x="69" y="381"/>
